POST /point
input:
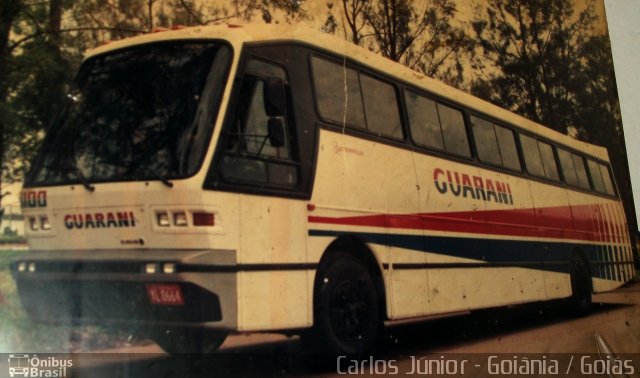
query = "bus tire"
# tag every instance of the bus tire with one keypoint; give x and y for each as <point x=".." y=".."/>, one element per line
<point x="347" y="317"/>
<point x="177" y="340"/>
<point x="580" y="301"/>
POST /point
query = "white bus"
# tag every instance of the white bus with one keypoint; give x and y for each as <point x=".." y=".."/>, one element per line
<point x="272" y="178"/>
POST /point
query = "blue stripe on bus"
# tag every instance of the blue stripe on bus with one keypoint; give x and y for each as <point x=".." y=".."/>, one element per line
<point x="541" y="255"/>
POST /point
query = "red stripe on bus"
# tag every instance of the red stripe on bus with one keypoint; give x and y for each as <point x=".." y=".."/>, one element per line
<point x="583" y="222"/>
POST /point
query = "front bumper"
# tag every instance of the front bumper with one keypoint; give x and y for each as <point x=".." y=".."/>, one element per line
<point x="95" y="287"/>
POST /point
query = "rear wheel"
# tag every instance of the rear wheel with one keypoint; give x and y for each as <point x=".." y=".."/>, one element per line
<point x="347" y="317"/>
<point x="581" y="286"/>
<point x="176" y="340"/>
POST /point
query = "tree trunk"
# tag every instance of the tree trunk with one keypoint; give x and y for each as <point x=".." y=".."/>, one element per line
<point x="55" y="22"/>
<point x="9" y="10"/>
<point x="55" y="45"/>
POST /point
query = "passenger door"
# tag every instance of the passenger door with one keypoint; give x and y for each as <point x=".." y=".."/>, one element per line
<point x="258" y="156"/>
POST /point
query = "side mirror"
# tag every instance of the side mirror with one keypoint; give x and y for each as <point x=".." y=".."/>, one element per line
<point x="274" y="97"/>
<point x="276" y="133"/>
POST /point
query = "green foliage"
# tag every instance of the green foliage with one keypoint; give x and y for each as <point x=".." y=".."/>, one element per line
<point x="10" y="236"/>
<point x="292" y="9"/>
<point x="419" y="34"/>
<point x="531" y="57"/>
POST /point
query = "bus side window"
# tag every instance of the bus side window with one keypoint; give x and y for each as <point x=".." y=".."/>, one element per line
<point x="250" y="155"/>
<point x="549" y="161"/>
<point x="568" y="168"/>
<point x="575" y="173"/>
<point x="496" y="145"/>
<point x="532" y="157"/>
<point x="581" y="171"/>
<point x="596" y="176"/>
<point x="539" y="158"/>
<point x="381" y="108"/>
<point x="508" y="149"/>
<point x="436" y="126"/>
<point x="424" y="121"/>
<point x="486" y="141"/>
<point x="453" y="130"/>
<point x="337" y="90"/>
<point x="606" y="177"/>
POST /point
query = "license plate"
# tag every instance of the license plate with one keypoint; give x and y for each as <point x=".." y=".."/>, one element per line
<point x="165" y="294"/>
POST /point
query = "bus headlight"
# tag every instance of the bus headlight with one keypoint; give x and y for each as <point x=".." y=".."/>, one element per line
<point x="180" y="219"/>
<point x="162" y="218"/>
<point x="33" y="224"/>
<point x="44" y="223"/>
<point x="22" y="266"/>
<point x="169" y="268"/>
<point x="32" y="267"/>
<point x="151" y="268"/>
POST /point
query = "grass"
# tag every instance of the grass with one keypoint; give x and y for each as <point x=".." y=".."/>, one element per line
<point x="19" y="334"/>
<point x="12" y="239"/>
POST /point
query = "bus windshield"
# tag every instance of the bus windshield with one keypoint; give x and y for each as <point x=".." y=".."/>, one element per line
<point x="135" y="114"/>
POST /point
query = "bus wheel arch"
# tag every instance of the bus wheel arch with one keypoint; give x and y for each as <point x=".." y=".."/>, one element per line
<point x="354" y="246"/>
<point x="581" y="283"/>
<point x="348" y="287"/>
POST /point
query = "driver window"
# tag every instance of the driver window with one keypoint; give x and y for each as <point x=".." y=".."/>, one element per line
<point x="256" y="132"/>
<point x="251" y="155"/>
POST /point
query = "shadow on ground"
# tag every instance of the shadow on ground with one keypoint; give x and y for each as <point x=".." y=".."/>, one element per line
<point x="290" y="358"/>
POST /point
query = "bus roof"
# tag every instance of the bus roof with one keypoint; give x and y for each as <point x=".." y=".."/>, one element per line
<point x="238" y="35"/>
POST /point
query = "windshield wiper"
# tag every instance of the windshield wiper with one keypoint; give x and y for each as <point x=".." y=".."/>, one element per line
<point x="157" y="176"/>
<point x="85" y="182"/>
<point x="127" y="164"/>
<point x="71" y="168"/>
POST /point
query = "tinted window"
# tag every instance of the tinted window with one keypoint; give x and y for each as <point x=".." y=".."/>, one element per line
<point x="548" y="161"/>
<point x="251" y="153"/>
<point x="381" y="107"/>
<point x="539" y="158"/>
<point x="606" y="178"/>
<point x="568" y="169"/>
<point x="336" y="102"/>
<point x="508" y="149"/>
<point x="532" y="157"/>
<point x="453" y="130"/>
<point x="596" y="176"/>
<point x="424" y="121"/>
<point x="137" y="114"/>
<point x="581" y="171"/>
<point x="573" y="169"/>
<point x="486" y="141"/>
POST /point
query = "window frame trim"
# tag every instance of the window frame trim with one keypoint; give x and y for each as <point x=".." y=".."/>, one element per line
<point x="217" y="112"/>
<point x="214" y="180"/>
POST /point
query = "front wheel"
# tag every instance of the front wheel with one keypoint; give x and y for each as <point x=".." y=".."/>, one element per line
<point x="347" y="317"/>
<point x="176" y="340"/>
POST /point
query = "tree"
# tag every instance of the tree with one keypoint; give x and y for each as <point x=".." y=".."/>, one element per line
<point x="539" y="59"/>
<point x="355" y="14"/>
<point x="36" y="76"/>
<point x="418" y="34"/>
<point x="9" y="10"/>
<point x="530" y="54"/>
